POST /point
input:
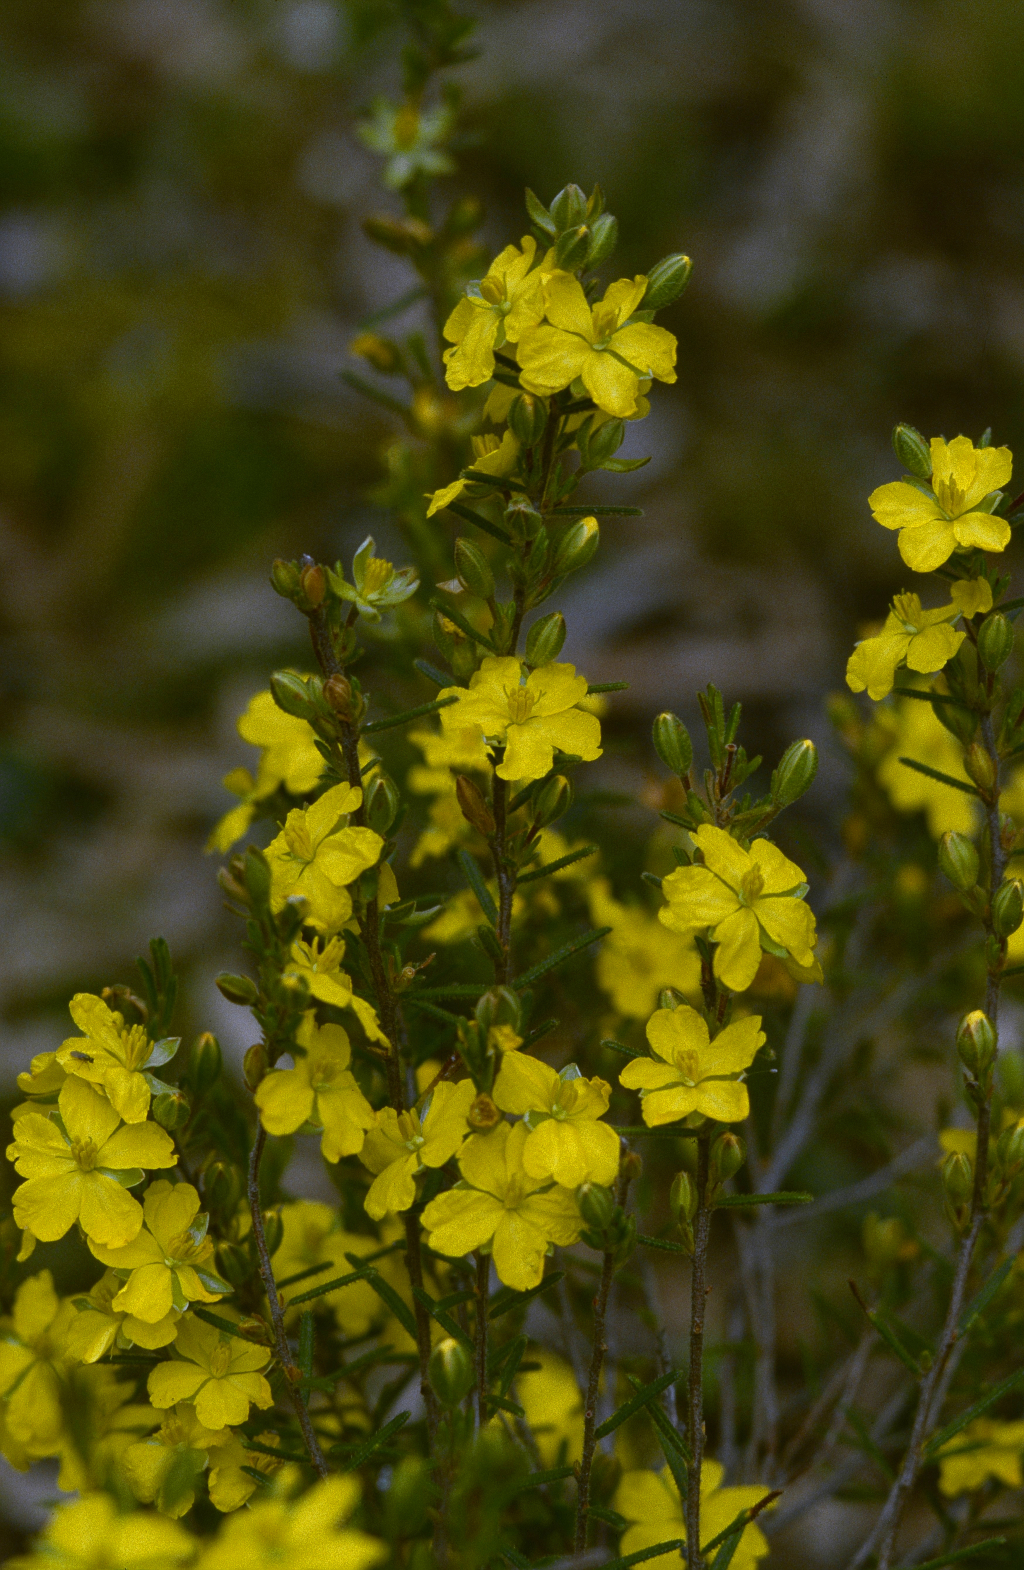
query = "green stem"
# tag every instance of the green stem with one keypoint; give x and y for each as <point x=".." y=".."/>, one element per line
<point x="695" y="1395"/>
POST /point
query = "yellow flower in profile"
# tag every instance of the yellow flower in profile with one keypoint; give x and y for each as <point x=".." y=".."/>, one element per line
<point x="289" y="759"/>
<point x="112" y="1057"/>
<point x="220" y="1374"/>
<point x="528" y="718"/>
<point x="403" y="1145"/>
<point x="611" y="355"/>
<point x="80" y="1175"/>
<point x="695" y="1074"/>
<point x="98" y="1326"/>
<point x="490" y="456"/>
<point x="918" y="734"/>
<point x="320" y="1089"/>
<point x="985" y="1448"/>
<point x="566" y="1142"/>
<point x="503" y="1207"/>
<point x="922" y="640"/>
<point x="952" y="515"/>
<point x="319" y="965"/>
<point x="640" y="956"/>
<point x="749" y="901"/>
<point x="168" y="1265"/>
<point x="92" y="1534"/>
<point x="650" y="1503"/>
<point x="33" y="1360"/>
<point x="553" y="1403"/>
<point x="318" y="853"/>
<point x="303" y="1534"/>
<point x="491" y="313"/>
<point x="164" y="1468"/>
<point x="312" y="1236"/>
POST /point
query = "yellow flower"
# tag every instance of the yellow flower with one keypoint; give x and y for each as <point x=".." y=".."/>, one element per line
<point x="640" y="955"/>
<point x="650" y="1502"/>
<point x="42" y="1083"/>
<point x="90" y="1535"/>
<point x="921" y="639"/>
<point x="502" y="1206"/>
<point x="554" y="1407"/>
<point x="81" y="1175"/>
<point x="219" y="1373"/>
<point x="312" y="1236"/>
<point x="529" y="719"/>
<point x="695" y="1074"/>
<point x="304" y="1534"/>
<point x="404" y="1145"/>
<point x="231" y="1482"/>
<point x="320" y="1089"/>
<point x="101" y="1421"/>
<point x="319" y="965"/>
<point x="933" y="524"/>
<point x="99" y="1326"/>
<point x="490" y="456"/>
<point x="167" y="1266"/>
<point x="112" y="1057"/>
<point x="566" y="1142"/>
<point x="493" y="312"/>
<point x="288" y="758"/>
<point x="984" y="1449"/>
<point x="317" y="854"/>
<point x="33" y="1359"/>
<point x="918" y="734"/>
<point x="598" y="344"/>
<point x="462" y="915"/>
<point x="749" y="901"/>
<point x="163" y="1469"/>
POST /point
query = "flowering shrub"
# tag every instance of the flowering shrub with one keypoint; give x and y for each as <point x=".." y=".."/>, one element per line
<point x="224" y="1393"/>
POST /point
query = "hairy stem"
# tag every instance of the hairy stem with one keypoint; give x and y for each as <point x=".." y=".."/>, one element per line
<point x="593" y="1391"/>
<point x="506" y="882"/>
<point x="695" y="1394"/>
<point x="481" y="1286"/>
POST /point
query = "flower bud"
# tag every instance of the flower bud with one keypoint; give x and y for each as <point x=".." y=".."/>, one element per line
<point x="474" y="805"/>
<point x="604" y="236"/>
<point x="404" y="236"/>
<point x="291" y="694"/>
<point x="726" y="1156"/>
<point x="552" y="801"/>
<point x="672" y="743"/>
<point x="237" y="989"/>
<point x="1008" y="907"/>
<point x="545" y="638"/>
<point x="682" y="1197"/>
<point x="958" y="1178"/>
<point x="382" y="803"/>
<point x="255" y="1328"/>
<point x="666" y="281"/>
<point x="234" y="1263"/>
<point x="596" y="1205"/>
<point x="338" y="692"/>
<point x="483" y="1115"/>
<point x="1010" y="1149"/>
<point x="995" y="641"/>
<point x="794" y="774"/>
<point x="912" y="451"/>
<point x="577" y="546"/>
<point x="527" y="418"/>
<point x="464" y="216"/>
<point x="604" y="443"/>
<point x="569" y="207"/>
<point x="976" y="1043"/>
<point x="473" y="569"/>
<point x="669" y="998"/>
<point x="571" y="248"/>
<point x="499" y="1006"/>
<point x="273" y="1230"/>
<point x="204" y="1063"/>
<point x="379" y="352"/>
<point x="222" y="1186"/>
<point x="958" y="860"/>
<point x="981" y="767"/>
<point x="631" y="1166"/>
<point x="450" y="1372"/>
<point x="284" y="578"/>
<point x="171" y="1108"/>
<point x="254" y="1065"/>
<point x="313" y="583"/>
<point x="257" y="876"/>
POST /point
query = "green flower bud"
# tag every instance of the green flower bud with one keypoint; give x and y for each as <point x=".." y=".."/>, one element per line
<point x="473" y="569"/>
<point x="794" y="774"/>
<point x="666" y="281"/>
<point x="1010" y="1149"/>
<point x="545" y="639"/>
<point x="237" y="989"/>
<point x="1008" y="907"/>
<point x="958" y="1178"/>
<point x="234" y="1263"/>
<point x="552" y="801"/>
<point x="604" y="237"/>
<point x="527" y="417"/>
<point x="273" y="1230"/>
<point x="576" y="547"/>
<point x="254" y="1065"/>
<point x="222" y="1186"/>
<point x="291" y="694"/>
<point x="204" y="1063"/>
<point x="958" y="860"/>
<point x="569" y="208"/>
<point x="499" y="1006"/>
<point x="464" y="216"/>
<point x="404" y="236"/>
<point x="976" y="1043"/>
<point x="726" y="1156"/>
<point x="596" y="1205"/>
<point x="257" y="876"/>
<point x="601" y="444"/>
<point x="886" y="1242"/>
<point x="672" y="743"/>
<point x="981" y="767"/>
<point x="682" y="1197"/>
<point x="473" y="805"/>
<point x="912" y="451"/>
<point x="995" y="641"/>
<point x="284" y="578"/>
<point x="450" y="1372"/>
<point x="571" y="248"/>
<point x="171" y="1108"/>
<point x="669" y="998"/>
<point x="382" y="803"/>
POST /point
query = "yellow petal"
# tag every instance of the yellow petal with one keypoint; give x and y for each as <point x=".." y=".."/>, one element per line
<point x="931" y="649"/>
<point x="983" y="531"/>
<point x="738" y="954"/>
<point x="927" y="545"/>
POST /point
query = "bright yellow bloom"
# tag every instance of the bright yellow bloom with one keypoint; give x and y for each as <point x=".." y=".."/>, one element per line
<point x="377" y="586"/>
<point x="42" y="1083"/>
<point x="923" y="640"/>
<point x="111" y="1056"/>
<point x="554" y="1407"/>
<point x="219" y="1373"/>
<point x="640" y="956"/>
<point x="404" y="1145"/>
<point x="312" y="1236"/>
<point x="951" y="516"/>
<point x="81" y="1175"/>
<point x="528" y="718"/>
<point x="231" y="1482"/>
<point x="490" y="456"/>
<point x="695" y="1074"/>
<point x="91" y="1534"/>
<point x="650" y="1502"/>
<point x="101" y="1421"/>
<point x="566" y="1142"/>
<point x="491" y="313"/>
<point x="319" y="965"/>
<point x="163" y="1469"/>
<point x="303" y="1534"/>
<point x="749" y="902"/>
<point x="598" y="344"/>
<point x="918" y="734"/>
<point x="288" y="758"/>
<point x="504" y="1207"/>
<point x="320" y="1089"/>
<point x="318" y="852"/>
<point x="168" y="1265"/>
<point x="444" y="751"/>
<point x="984" y="1449"/>
<point x="33" y="1360"/>
<point x="98" y="1326"/>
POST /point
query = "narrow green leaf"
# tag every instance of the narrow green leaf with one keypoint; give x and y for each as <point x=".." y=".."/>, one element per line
<point x="616" y="1046"/>
<point x="474" y="877"/>
<point x="444" y="1319"/>
<point x="432" y="673"/>
<point x="363" y="1454"/>
<point x="666" y="1131"/>
<point x="661" y="1242"/>
<point x="672" y="1437"/>
<point x="740" y="1201"/>
<point x="387" y="1294"/>
<point x="671" y="1547"/>
<point x="556" y="866"/>
<point x="538" y="1479"/>
<point x="404" y="301"/>
<point x="932" y="697"/>
<point x="268" y="1450"/>
<point x="504" y="1405"/>
<point x="301" y="1275"/>
<point x="496" y="482"/>
<point x="488" y="527"/>
<point x="985" y="1296"/>
<point x="894" y="1343"/>
<point x="538" y="1031"/>
<point x="648" y="1393"/>
<point x="326" y="1286"/>
<point x="944" y="1435"/>
<point x="748" y="1515"/>
<point x="963" y="1553"/>
<point x="937" y="774"/>
<point x="505" y="1301"/>
<point x="443" y="1015"/>
<point x="607" y="686"/>
<point x="220" y="1324"/>
<point x="559" y="957"/>
<point x="410" y="714"/>
<point x="449" y="611"/>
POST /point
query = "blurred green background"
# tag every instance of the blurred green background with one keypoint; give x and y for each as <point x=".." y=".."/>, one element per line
<point x="182" y="269"/>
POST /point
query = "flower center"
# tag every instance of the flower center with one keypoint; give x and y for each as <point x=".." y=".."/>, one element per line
<point x="515" y="1192"/>
<point x="520" y="704"/>
<point x="377" y="576"/>
<point x="751" y="885"/>
<point x="907" y="607"/>
<point x="688" y="1064"/>
<point x="172" y="1432"/>
<point x="220" y="1361"/>
<point x="409" y="1131"/>
<point x="86" y="1153"/>
<point x="135" y="1047"/>
<point x="297" y="838"/>
<point x="492" y="291"/>
<point x="606" y="320"/>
